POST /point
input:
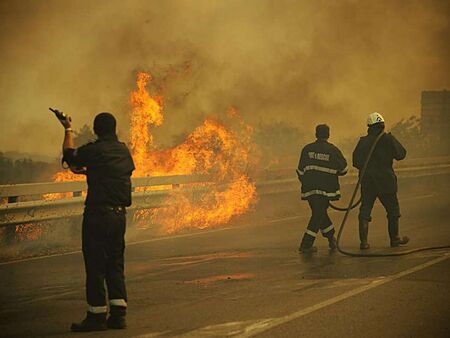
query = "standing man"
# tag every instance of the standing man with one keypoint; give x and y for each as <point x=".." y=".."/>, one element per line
<point x="379" y="180"/>
<point x="108" y="166"/>
<point x="320" y="165"/>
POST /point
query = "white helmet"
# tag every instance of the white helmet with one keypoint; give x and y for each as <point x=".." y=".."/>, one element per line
<point x="374" y="118"/>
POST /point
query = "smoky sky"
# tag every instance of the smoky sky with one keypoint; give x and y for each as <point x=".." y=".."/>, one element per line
<point x="302" y="62"/>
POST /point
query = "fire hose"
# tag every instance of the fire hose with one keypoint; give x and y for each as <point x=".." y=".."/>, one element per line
<point x="352" y="206"/>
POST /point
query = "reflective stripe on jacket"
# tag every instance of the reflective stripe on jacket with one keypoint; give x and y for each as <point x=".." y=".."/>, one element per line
<point x="319" y="167"/>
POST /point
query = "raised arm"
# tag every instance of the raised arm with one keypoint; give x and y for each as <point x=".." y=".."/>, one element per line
<point x="68" y="133"/>
<point x="68" y="146"/>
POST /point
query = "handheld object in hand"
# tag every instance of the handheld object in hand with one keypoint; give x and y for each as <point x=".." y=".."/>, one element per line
<point x="59" y="114"/>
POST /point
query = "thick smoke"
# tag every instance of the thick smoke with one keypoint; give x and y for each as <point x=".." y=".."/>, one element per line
<point x="303" y="62"/>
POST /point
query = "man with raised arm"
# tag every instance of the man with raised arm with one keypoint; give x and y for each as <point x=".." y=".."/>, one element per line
<point x="108" y="165"/>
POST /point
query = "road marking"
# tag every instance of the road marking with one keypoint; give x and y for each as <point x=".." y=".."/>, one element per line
<point x="40" y="257"/>
<point x="40" y="299"/>
<point x="291" y="218"/>
<point x="250" y="328"/>
<point x="278" y="220"/>
<point x="78" y="288"/>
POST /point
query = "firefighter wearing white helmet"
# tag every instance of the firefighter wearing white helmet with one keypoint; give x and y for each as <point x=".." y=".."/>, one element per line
<point x="374" y="118"/>
<point x="379" y="180"/>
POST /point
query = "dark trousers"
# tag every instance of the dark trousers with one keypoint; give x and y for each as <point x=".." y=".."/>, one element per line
<point x="103" y="251"/>
<point x="319" y="220"/>
<point x="389" y="201"/>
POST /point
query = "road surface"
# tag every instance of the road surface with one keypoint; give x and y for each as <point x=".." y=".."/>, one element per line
<point x="248" y="279"/>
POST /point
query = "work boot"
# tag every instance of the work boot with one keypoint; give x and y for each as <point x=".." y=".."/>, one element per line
<point x="92" y="322"/>
<point x="116" y="319"/>
<point x="396" y="240"/>
<point x="363" y="233"/>
<point x="306" y="246"/>
<point x="332" y="243"/>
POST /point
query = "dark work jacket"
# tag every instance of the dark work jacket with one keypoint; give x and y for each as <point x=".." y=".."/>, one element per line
<point x="109" y="167"/>
<point x="318" y="169"/>
<point x="379" y="173"/>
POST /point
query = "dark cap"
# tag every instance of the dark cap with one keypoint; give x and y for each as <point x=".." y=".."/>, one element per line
<point x="322" y="131"/>
<point x="105" y="124"/>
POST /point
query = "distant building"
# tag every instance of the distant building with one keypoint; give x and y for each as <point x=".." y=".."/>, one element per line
<point x="435" y="118"/>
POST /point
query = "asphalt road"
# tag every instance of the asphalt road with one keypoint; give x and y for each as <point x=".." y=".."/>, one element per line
<point x="248" y="279"/>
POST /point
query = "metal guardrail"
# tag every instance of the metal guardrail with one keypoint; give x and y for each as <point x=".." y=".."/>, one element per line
<point x="19" y="212"/>
<point x="281" y="185"/>
<point x="16" y="190"/>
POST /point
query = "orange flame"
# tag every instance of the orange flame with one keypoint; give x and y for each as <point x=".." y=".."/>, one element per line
<point x="146" y="111"/>
<point x="224" y="154"/>
<point x="212" y="149"/>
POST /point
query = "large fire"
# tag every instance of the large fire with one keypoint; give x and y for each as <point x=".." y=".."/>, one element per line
<point x="221" y="152"/>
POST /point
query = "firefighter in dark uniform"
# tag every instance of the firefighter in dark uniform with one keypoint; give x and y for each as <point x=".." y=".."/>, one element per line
<point x="108" y="166"/>
<point x="379" y="180"/>
<point x="319" y="167"/>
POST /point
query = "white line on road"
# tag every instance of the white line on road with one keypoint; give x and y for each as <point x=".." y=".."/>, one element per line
<point x="250" y="328"/>
<point x="278" y="220"/>
<point x="40" y="257"/>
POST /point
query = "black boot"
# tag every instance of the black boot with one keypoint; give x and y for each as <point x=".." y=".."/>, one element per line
<point x="92" y="322"/>
<point x="306" y="246"/>
<point x="396" y="240"/>
<point x="332" y="243"/>
<point x="116" y="319"/>
<point x="363" y="233"/>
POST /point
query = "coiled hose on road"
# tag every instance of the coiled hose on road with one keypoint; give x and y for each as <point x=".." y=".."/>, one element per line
<point x="352" y="206"/>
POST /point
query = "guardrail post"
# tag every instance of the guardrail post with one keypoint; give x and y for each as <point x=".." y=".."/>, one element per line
<point x="13" y="199"/>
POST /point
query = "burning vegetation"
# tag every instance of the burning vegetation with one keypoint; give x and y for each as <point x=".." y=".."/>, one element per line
<point x="224" y="154"/>
<point x="222" y="151"/>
